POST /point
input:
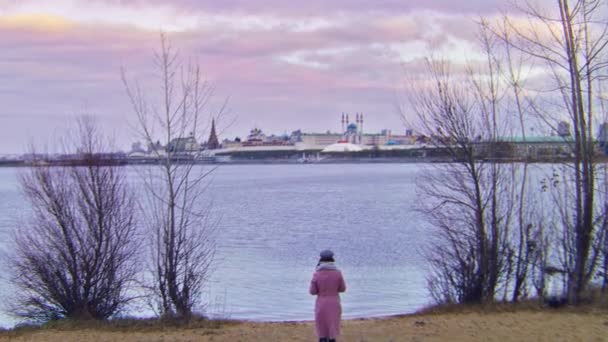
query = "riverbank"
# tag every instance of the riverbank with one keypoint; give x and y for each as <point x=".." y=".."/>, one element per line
<point x="291" y="161"/>
<point x="452" y="325"/>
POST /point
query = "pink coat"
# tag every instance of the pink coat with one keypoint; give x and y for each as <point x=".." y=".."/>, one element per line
<point x="327" y="284"/>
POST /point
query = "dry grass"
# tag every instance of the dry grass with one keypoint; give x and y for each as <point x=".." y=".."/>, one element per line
<point x="500" y="323"/>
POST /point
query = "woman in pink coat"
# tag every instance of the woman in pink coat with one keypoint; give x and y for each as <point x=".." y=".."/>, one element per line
<point x="326" y="284"/>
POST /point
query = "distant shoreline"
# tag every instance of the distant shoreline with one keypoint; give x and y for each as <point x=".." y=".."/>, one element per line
<point x="269" y="161"/>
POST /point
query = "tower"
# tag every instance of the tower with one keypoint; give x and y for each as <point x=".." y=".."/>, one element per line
<point x="361" y="128"/>
<point x="357" y="135"/>
<point x="343" y="122"/>
<point x="213" y="143"/>
<point x="361" y="122"/>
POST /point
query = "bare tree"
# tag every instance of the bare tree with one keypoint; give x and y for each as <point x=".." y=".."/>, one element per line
<point x="76" y="255"/>
<point x="570" y="40"/>
<point x="487" y="234"/>
<point x="497" y="240"/>
<point x="177" y="215"/>
<point x="460" y="113"/>
<point x="526" y="243"/>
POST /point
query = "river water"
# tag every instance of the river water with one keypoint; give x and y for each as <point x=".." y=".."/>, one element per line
<point x="272" y="222"/>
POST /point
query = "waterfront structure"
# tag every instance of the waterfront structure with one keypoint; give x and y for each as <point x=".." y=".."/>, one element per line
<point x="534" y="147"/>
<point x="352" y="142"/>
<point x="342" y="147"/>
<point x="545" y="147"/>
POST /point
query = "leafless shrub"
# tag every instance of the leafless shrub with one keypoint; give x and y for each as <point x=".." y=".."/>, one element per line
<point x="76" y="256"/>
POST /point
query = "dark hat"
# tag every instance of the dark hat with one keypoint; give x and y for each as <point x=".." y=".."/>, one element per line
<point x="327" y="255"/>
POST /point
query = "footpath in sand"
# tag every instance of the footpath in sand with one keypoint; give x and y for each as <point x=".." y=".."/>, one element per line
<point x="474" y="326"/>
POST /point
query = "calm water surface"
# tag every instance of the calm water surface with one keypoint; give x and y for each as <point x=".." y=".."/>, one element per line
<point x="273" y="221"/>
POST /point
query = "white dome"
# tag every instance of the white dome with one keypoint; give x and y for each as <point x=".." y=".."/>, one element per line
<point x="342" y="147"/>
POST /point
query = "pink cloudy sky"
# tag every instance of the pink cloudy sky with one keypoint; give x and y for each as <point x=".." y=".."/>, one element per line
<point x="284" y="64"/>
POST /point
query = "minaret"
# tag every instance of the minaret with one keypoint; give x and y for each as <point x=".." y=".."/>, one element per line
<point x="361" y="128"/>
<point x="213" y="143"/>
<point x="343" y="122"/>
<point x="356" y="137"/>
<point x="361" y="122"/>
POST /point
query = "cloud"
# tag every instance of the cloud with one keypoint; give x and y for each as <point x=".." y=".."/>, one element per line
<point x="285" y="65"/>
<point x="305" y="8"/>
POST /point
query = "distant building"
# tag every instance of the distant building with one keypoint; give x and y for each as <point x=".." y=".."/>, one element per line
<point x="137" y="147"/>
<point x="255" y="137"/>
<point x="296" y="137"/>
<point x="563" y="129"/>
<point x="137" y="151"/>
<point x="353" y="133"/>
<point x="278" y="139"/>
<point x="534" y="147"/>
<point x="320" y="139"/>
<point x="155" y="147"/>
<point x="401" y="140"/>
<point x="375" y="139"/>
<point x="227" y="143"/>
<point x="602" y="136"/>
<point x="188" y="144"/>
<point x="213" y="143"/>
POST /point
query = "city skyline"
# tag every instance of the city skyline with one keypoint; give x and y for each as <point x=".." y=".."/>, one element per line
<point x="283" y="65"/>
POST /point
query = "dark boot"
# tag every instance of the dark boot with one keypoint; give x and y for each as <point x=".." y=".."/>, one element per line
<point x="331" y="340"/>
<point x="323" y="339"/>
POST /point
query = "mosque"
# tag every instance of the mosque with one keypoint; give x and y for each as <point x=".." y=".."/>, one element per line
<point x="353" y="139"/>
<point x="352" y="136"/>
<point x="353" y="133"/>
